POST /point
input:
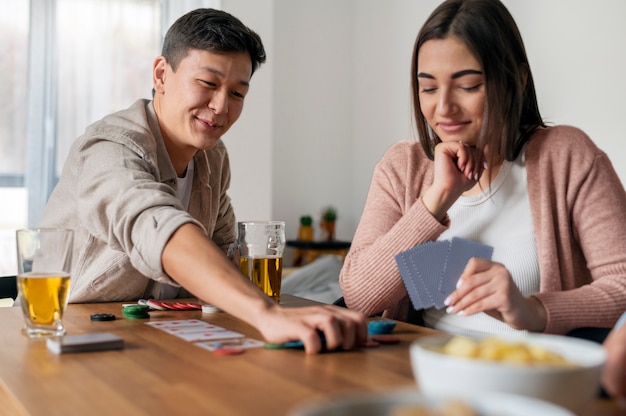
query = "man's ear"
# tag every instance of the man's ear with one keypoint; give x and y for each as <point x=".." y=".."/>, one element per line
<point x="158" y="74"/>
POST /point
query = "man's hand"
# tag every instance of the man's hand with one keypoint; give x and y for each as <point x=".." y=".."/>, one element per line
<point x="342" y="328"/>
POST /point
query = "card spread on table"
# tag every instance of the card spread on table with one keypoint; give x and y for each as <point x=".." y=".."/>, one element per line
<point x="231" y="343"/>
<point x="195" y="330"/>
<point x="430" y="271"/>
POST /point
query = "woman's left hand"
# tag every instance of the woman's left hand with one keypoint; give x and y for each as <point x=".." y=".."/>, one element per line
<point x="486" y="286"/>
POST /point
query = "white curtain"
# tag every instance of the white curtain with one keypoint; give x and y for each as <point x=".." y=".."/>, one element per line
<point x="105" y="53"/>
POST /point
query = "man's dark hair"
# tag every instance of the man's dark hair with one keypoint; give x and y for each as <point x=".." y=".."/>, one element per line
<point x="213" y="31"/>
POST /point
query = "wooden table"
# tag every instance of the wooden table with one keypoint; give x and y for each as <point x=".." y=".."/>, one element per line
<point x="160" y="374"/>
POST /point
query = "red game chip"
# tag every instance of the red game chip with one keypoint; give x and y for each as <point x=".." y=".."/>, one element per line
<point x="229" y="351"/>
<point x="155" y="304"/>
<point x="186" y="306"/>
<point x="386" y="339"/>
<point x="370" y="343"/>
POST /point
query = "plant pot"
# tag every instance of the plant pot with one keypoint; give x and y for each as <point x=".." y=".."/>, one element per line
<point x="328" y="230"/>
<point x="305" y="233"/>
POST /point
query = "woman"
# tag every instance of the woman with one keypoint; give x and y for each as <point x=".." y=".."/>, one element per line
<point x="487" y="168"/>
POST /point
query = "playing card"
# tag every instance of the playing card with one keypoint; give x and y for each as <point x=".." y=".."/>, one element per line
<point x="195" y="330"/>
<point x="420" y="268"/>
<point x="460" y="252"/>
<point x="208" y="335"/>
<point x="409" y="275"/>
<point x="430" y="261"/>
<point x="231" y="343"/>
<point x="177" y="323"/>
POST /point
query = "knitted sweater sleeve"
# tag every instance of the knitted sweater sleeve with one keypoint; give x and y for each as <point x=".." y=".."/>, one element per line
<point x="393" y="220"/>
<point x="579" y="213"/>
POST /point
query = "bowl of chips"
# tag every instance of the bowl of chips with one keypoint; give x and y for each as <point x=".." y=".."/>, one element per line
<point x="558" y="369"/>
<point x="410" y="402"/>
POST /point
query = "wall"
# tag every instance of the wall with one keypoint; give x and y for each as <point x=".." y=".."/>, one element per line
<point x="251" y="140"/>
<point x="335" y="94"/>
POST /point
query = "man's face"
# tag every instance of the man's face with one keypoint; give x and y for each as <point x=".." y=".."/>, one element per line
<point x="197" y="103"/>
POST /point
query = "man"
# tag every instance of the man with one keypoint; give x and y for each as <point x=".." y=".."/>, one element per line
<point x="144" y="190"/>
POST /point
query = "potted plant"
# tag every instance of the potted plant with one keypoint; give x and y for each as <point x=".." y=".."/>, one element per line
<point x="327" y="224"/>
<point x="305" y="231"/>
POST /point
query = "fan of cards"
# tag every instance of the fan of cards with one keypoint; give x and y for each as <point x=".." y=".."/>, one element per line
<point x="430" y="271"/>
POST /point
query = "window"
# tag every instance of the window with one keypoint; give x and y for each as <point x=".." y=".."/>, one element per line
<point x="66" y="64"/>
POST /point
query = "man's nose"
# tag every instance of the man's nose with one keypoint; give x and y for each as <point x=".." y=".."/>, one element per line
<point x="219" y="102"/>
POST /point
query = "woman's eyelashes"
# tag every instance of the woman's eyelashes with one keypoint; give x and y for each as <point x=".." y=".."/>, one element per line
<point x="471" y="88"/>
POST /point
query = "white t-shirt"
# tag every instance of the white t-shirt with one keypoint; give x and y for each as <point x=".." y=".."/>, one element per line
<point x="499" y="217"/>
<point x="183" y="189"/>
<point x="183" y="193"/>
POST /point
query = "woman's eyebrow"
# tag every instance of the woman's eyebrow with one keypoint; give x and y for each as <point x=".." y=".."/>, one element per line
<point x="466" y="72"/>
<point x="454" y="76"/>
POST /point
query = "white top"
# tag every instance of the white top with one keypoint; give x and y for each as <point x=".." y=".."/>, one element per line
<point x="183" y="190"/>
<point x="183" y="193"/>
<point x="499" y="217"/>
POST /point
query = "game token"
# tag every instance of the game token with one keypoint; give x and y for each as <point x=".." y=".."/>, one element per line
<point x="185" y="306"/>
<point x="155" y="304"/>
<point x="210" y="309"/>
<point x="386" y="339"/>
<point x="136" y="312"/>
<point x="273" y="346"/>
<point x="381" y="326"/>
<point x="370" y="343"/>
<point x="229" y="351"/>
<point x="285" y="345"/>
<point x="102" y="317"/>
<point x="299" y="345"/>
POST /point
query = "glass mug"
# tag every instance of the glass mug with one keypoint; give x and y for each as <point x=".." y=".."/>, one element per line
<point x="43" y="282"/>
<point x="261" y="245"/>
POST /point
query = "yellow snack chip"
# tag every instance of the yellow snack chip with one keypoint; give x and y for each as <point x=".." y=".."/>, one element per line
<point x="461" y="347"/>
<point x="496" y="349"/>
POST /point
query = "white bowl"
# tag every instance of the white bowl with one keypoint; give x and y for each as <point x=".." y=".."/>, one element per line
<point x="384" y="404"/>
<point x="570" y="387"/>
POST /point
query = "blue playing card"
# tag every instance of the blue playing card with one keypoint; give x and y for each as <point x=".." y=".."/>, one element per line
<point x="461" y="251"/>
<point x="430" y="271"/>
<point x="409" y="275"/>
<point x="420" y="268"/>
<point x="430" y="260"/>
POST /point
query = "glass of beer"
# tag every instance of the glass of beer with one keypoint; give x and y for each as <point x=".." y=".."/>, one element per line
<point x="44" y="258"/>
<point x="261" y="245"/>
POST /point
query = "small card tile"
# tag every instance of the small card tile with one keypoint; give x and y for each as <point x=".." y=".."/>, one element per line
<point x="461" y="251"/>
<point x="431" y="260"/>
<point x="231" y="343"/>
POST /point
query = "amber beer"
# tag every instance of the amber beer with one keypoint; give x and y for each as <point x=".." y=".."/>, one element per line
<point x="265" y="273"/>
<point x="44" y="297"/>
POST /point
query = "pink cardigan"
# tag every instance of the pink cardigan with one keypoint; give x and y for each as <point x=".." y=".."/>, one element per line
<point x="578" y="206"/>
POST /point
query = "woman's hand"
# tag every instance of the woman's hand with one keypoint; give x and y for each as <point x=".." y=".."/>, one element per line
<point x="486" y="286"/>
<point x="458" y="168"/>
<point x="342" y="328"/>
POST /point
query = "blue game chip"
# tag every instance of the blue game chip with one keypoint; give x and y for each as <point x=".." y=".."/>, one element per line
<point x="381" y="326"/>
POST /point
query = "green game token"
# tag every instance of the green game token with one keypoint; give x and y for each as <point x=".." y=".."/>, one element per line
<point x="136" y="311"/>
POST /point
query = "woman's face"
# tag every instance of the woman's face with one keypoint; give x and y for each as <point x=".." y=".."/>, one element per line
<point x="451" y="90"/>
